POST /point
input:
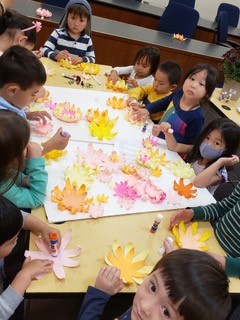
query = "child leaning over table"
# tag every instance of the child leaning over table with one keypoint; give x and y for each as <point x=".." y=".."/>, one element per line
<point x="165" y="81"/>
<point x="225" y="218"/>
<point x="72" y="41"/>
<point x="184" y="285"/>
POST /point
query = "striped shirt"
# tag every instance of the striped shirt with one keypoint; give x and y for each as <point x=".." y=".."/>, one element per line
<point x="226" y="214"/>
<point x="60" y="40"/>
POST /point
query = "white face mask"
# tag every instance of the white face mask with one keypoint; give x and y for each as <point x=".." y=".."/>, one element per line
<point x="208" y="152"/>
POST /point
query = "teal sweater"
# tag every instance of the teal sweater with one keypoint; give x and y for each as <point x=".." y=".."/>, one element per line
<point x="226" y="215"/>
<point x="32" y="194"/>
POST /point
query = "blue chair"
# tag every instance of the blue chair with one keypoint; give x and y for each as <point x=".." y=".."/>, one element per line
<point x="233" y="12"/>
<point x="56" y="3"/>
<point x="179" y="18"/>
<point x="190" y="3"/>
<point x="221" y="32"/>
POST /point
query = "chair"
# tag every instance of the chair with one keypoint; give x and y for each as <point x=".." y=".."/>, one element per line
<point x="233" y="12"/>
<point x="56" y="3"/>
<point x="190" y="3"/>
<point x="179" y="18"/>
<point x="221" y="32"/>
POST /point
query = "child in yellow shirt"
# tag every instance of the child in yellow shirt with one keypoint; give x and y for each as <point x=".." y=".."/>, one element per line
<point x="165" y="81"/>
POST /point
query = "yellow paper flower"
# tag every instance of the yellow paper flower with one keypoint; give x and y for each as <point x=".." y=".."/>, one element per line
<point x="70" y="198"/>
<point x="119" y="86"/>
<point x="55" y="154"/>
<point x="103" y="130"/>
<point x="156" y="172"/>
<point x="181" y="169"/>
<point x="80" y="174"/>
<point x="96" y="115"/>
<point x="101" y="198"/>
<point x="89" y="68"/>
<point x="67" y="64"/>
<point x="188" y="238"/>
<point x="132" y="268"/>
<point x="117" y="103"/>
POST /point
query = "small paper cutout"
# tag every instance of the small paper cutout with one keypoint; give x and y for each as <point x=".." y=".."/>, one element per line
<point x="179" y="37"/>
<point x="131" y="117"/>
<point x="117" y="103"/>
<point x="133" y="269"/>
<point x="119" y="86"/>
<point x="102" y="127"/>
<point x="55" y="154"/>
<point x="188" y="238"/>
<point x="80" y="175"/>
<point x="63" y="258"/>
<point x="181" y="169"/>
<point x="150" y="142"/>
<point x="185" y="190"/>
<point x="89" y="68"/>
<point x="67" y="112"/>
<point x="42" y="129"/>
<point x="45" y="98"/>
<point x="43" y="13"/>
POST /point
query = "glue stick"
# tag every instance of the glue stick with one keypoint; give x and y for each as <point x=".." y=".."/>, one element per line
<point x="53" y="244"/>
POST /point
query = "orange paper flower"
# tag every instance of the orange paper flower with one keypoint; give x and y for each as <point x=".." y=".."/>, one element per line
<point x="185" y="190"/>
<point x="117" y="103"/>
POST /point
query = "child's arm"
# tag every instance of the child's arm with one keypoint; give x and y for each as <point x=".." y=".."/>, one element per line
<point x="57" y="142"/>
<point x="209" y="175"/>
<point x="119" y="71"/>
<point x="107" y="284"/>
<point x="49" y="48"/>
<point x="88" y="57"/>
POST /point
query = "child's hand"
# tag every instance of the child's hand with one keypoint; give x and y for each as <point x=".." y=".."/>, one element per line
<point x="38" y="53"/>
<point x="46" y="231"/>
<point x="164" y="127"/>
<point x="132" y="82"/>
<point x="229" y="161"/>
<point x="33" y="268"/>
<point x="132" y="102"/>
<point x="34" y="150"/>
<point x="168" y="246"/>
<point x="76" y="59"/>
<point x="156" y="130"/>
<point x="114" y="76"/>
<point x="185" y="215"/>
<point x="38" y="115"/>
<point x="64" y="54"/>
<point x="140" y="113"/>
<point x="57" y="142"/>
<point x="108" y="280"/>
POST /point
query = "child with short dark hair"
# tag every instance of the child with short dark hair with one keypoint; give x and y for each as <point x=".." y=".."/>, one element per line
<point x="72" y="41"/>
<point x="165" y="81"/>
<point x="184" y="285"/>
<point x="141" y="73"/>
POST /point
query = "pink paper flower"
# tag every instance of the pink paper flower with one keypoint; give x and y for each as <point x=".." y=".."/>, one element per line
<point x="43" y="13"/>
<point x="63" y="255"/>
<point x="96" y="210"/>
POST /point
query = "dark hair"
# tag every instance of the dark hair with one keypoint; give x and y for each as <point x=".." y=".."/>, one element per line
<point x="230" y="132"/>
<point x="152" y="56"/>
<point x="11" y="220"/>
<point x="12" y="21"/>
<point x="19" y="65"/>
<point x="80" y="10"/>
<point x="172" y="69"/>
<point x="14" y="137"/>
<point x="211" y="78"/>
<point x="197" y="282"/>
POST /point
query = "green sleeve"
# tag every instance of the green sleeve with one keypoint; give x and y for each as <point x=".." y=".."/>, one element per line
<point x="233" y="267"/>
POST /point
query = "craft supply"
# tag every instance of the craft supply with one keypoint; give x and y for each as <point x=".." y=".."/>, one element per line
<point x="162" y="250"/>
<point x="170" y="130"/>
<point x="64" y="134"/>
<point x="98" y="82"/>
<point x="156" y="223"/>
<point x="144" y="128"/>
<point x="69" y="77"/>
<point x="53" y="244"/>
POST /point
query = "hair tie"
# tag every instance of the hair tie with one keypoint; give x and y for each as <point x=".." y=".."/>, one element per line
<point x="36" y="24"/>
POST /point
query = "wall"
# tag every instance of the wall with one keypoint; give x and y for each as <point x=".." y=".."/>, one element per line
<point x="207" y="9"/>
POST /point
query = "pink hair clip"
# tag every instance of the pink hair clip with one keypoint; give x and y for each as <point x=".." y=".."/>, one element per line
<point x="36" y="24"/>
<point x="43" y="13"/>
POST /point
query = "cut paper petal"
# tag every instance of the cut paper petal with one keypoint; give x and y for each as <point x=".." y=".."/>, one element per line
<point x="42" y="129"/>
<point x="150" y="142"/>
<point x="67" y="112"/>
<point x="45" y="98"/>
<point x="79" y="175"/>
<point x="89" y="68"/>
<point x="96" y="210"/>
<point x="63" y="257"/>
<point x="181" y="169"/>
<point x="119" y="86"/>
<point x="186" y="191"/>
<point x="117" y="103"/>
<point x="132" y="268"/>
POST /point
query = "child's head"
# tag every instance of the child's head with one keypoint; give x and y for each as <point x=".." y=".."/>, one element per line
<point x="78" y="17"/>
<point x="13" y="27"/>
<point x="167" y="77"/>
<point x="11" y="221"/>
<point x="146" y="61"/>
<point x="220" y="138"/>
<point x="14" y="137"/>
<point x="200" y="82"/>
<point x="184" y="285"/>
<point x="21" y="76"/>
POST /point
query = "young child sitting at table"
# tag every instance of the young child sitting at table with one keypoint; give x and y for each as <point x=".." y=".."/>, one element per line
<point x="225" y="218"/>
<point x="214" y="149"/>
<point x="72" y="41"/>
<point x="183" y="108"/>
<point x="165" y="81"/>
<point x="141" y="73"/>
<point x="11" y="222"/>
<point x="184" y="285"/>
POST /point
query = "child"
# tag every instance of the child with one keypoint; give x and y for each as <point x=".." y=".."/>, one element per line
<point x="225" y="215"/>
<point x="72" y="41"/>
<point x="11" y="222"/>
<point x="165" y="80"/>
<point x="184" y="285"/>
<point x="141" y="73"/>
<point x="184" y="106"/>
<point x="214" y="149"/>
<point x="21" y="77"/>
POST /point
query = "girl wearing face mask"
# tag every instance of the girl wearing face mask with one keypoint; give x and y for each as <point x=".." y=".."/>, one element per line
<point x="213" y="151"/>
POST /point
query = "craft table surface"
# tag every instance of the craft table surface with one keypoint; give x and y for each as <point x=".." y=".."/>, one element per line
<point x="96" y="235"/>
<point x="233" y="113"/>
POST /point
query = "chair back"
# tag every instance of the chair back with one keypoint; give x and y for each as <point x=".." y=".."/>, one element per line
<point x="222" y="28"/>
<point x="179" y="18"/>
<point x="233" y="12"/>
<point x="190" y="3"/>
<point x="56" y="3"/>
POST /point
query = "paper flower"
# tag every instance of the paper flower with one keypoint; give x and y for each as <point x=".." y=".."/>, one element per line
<point x="119" y="86"/>
<point x="55" y="154"/>
<point x="151" y="158"/>
<point x="89" y="68"/>
<point x="42" y="129"/>
<point x="96" y="115"/>
<point x="156" y="172"/>
<point x="44" y="98"/>
<point x="80" y="175"/>
<point x="96" y="210"/>
<point x="179" y="37"/>
<point x="181" y="169"/>
<point x="150" y="142"/>
<point x="70" y="198"/>
<point x="185" y="190"/>
<point x="117" y="103"/>
<point x="43" y="13"/>
<point x="101" y="198"/>
<point x="67" y="64"/>
<point x="67" y="112"/>
<point x="132" y="268"/>
<point x="51" y="105"/>
<point x="63" y="257"/>
<point x="130" y="117"/>
<point x="103" y="129"/>
<point x="188" y="238"/>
